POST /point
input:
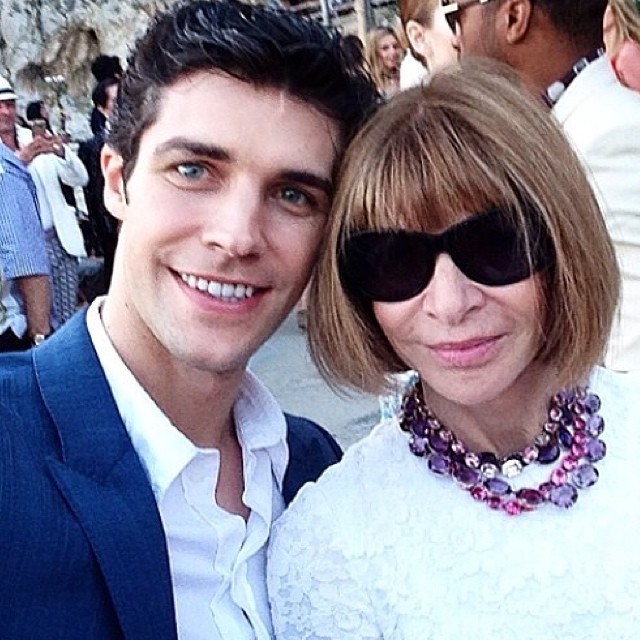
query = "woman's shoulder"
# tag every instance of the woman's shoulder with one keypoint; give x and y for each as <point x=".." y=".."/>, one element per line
<point x="341" y="495"/>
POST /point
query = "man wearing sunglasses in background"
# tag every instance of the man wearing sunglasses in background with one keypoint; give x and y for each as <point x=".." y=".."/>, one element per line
<point x="556" y="47"/>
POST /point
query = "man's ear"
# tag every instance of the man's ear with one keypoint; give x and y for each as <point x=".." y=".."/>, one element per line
<point x="115" y="199"/>
<point x="514" y="20"/>
<point x="416" y="36"/>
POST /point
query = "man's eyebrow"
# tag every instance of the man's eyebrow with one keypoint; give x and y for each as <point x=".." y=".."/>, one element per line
<point x="215" y="152"/>
<point x="309" y="179"/>
<point x="193" y="147"/>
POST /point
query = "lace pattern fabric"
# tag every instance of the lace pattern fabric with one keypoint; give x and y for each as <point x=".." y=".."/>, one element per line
<point x="381" y="548"/>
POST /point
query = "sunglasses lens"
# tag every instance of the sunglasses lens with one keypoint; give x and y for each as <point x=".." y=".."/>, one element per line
<point x="489" y="250"/>
<point x="387" y="266"/>
<point x="392" y="266"/>
<point x="451" y="20"/>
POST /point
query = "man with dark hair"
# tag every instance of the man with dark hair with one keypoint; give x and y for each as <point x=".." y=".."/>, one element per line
<point x="103" y="97"/>
<point x="101" y="234"/>
<point x="555" y="46"/>
<point x="141" y="464"/>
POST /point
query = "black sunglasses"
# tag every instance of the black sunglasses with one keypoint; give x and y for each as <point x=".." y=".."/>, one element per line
<point x="452" y="10"/>
<point x="391" y="266"/>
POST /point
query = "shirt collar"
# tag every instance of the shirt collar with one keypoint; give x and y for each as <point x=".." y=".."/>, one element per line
<point x="554" y="91"/>
<point x="163" y="449"/>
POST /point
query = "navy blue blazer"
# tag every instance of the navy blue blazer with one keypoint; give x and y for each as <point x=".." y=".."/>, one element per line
<point x="82" y="548"/>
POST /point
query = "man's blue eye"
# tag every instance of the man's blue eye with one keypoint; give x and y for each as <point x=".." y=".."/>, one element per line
<point x="293" y="196"/>
<point x="190" y="170"/>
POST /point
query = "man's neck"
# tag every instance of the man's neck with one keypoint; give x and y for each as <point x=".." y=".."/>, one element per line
<point x="9" y="139"/>
<point x="541" y="65"/>
<point x="197" y="401"/>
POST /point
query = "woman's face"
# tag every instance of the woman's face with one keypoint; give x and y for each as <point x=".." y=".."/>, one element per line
<point x="389" y="51"/>
<point x="435" y="44"/>
<point x="471" y="343"/>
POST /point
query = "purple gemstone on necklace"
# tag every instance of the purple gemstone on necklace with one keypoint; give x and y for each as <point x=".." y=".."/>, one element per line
<point x="418" y="446"/>
<point x="596" y="450"/>
<point x="439" y="464"/>
<point x="592" y="403"/>
<point x="497" y="486"/>
<point x="565" y="437"/>
<point x="465" y="476"/>
<point x="494" y="502"/>
<point x="437" y="442"/>
<point x="586" y="475"/>
<point x="567" y="416"/>
<point x="564" y="496"/>
<point x="409" y="406"/>
<point x="595" y="425"/>
<point x="548" y="453"/>
<point x="530" y="496"/>
<point x="419" y="426"/>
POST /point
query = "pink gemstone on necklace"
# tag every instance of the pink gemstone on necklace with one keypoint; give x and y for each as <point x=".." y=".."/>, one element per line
<point x="569" y="463"/>
<point x="494" y="502"/>
<point x="479" y="493"/>
<point x="512" y="508"/>
<point x="558" y="476"/>
<point x="580" y="437"/>
<point x="530" y="454"/>
<point x="578" y="450"/>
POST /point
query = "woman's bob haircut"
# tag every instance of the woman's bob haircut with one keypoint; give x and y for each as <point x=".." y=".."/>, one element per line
<point x="469" y="140"/>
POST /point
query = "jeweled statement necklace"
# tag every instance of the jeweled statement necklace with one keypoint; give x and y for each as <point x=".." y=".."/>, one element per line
<point x="571" y="435"/>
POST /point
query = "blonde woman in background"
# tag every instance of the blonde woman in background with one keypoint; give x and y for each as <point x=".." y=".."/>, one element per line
<point x="622" y="40"/>
<point x="384" y="55"/>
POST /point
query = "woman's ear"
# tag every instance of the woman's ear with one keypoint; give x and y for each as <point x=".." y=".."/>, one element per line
<point x="115" y="199"/>
<point x="416" y="36"/>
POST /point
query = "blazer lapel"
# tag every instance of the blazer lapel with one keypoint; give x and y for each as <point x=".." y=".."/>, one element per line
<point x="104" y="483"/>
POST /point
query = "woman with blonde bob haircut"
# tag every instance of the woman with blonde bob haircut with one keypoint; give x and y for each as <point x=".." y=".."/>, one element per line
<point x="466" y="244"/>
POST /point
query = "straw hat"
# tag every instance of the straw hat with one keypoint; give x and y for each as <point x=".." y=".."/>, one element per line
<point x="6" y="90"/>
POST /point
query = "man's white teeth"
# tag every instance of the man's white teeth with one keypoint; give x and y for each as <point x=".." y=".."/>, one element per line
<point x="218" y="289"/>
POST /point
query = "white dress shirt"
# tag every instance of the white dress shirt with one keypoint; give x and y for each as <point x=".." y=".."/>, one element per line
<point x="217" y="559"/>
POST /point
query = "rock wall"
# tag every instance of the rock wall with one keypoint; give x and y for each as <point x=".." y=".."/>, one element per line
<point x="60" y="38"/>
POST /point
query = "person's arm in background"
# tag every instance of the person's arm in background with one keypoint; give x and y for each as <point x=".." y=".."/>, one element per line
<point x="22" y="247"/>
<point x="36" y="295"/>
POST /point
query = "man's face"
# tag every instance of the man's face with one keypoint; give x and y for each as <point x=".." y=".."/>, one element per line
<point x="7" y="117"/>
<point x="112" y="94"/>
<point x="474" y="30"/>
<point x="223" y="215"/>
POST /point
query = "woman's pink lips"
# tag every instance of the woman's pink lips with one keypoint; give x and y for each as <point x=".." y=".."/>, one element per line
<point x="466" y="353"/>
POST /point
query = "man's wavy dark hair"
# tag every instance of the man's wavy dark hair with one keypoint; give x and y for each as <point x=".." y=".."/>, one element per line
<point x="256" y="44"/>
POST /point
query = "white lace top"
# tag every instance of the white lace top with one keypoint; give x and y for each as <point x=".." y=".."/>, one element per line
<point x="380" y="547"/>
